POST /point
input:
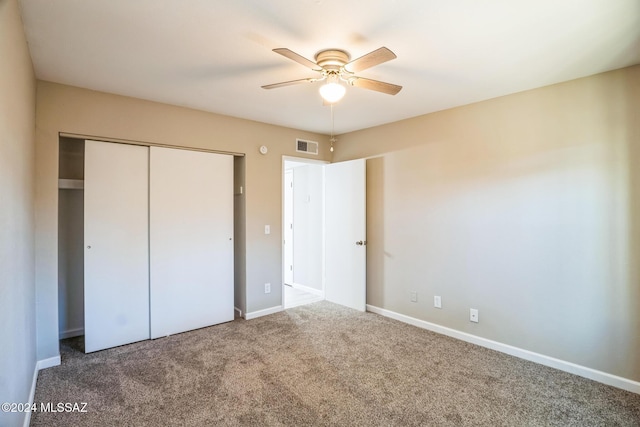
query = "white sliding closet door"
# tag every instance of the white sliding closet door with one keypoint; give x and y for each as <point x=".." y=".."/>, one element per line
<point x="116" y="252"/>
<point x="191" y="230"/>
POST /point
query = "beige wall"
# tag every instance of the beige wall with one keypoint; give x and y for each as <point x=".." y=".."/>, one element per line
<point x="78" y="111"/>
<point x="526" y="207"/>
<point x="17" y="290"/>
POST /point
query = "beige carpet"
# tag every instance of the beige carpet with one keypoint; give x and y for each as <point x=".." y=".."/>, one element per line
<point x="320" y="364"/>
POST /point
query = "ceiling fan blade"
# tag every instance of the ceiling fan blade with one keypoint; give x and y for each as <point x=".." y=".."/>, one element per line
<point x="289" y="83"/>
<point x="383" y="87"/>
<point x="298" y="58"/>
<point x="371" y="59"/>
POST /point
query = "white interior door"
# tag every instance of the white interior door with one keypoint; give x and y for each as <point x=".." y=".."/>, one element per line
<point x="345" y="234"/>
<point x="116" y="263"/>
<point x="288" y="227"/>
<point x="191" y="230"/>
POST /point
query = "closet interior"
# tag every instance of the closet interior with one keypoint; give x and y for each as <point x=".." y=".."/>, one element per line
<point x="71" y="238"/>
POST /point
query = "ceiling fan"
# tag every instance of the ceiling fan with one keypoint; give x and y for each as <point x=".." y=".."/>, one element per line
<point x="335" y="66"/>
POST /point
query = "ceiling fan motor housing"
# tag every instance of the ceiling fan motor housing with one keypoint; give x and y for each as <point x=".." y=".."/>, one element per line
<point x="332" y="59"/>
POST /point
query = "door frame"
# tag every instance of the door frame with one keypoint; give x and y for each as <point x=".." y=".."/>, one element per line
<point x="287" y="228"/>
<point x="285" y="160"/>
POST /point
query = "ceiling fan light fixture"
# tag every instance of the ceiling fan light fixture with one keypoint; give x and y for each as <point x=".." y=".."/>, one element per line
<point x="332" y="92"/>
<point x="335" y="65"/>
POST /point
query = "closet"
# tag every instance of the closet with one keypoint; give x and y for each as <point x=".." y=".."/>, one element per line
<point x="157" y="236"/>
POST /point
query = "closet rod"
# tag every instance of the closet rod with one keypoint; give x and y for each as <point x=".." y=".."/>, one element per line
<point x="144" y="143"/>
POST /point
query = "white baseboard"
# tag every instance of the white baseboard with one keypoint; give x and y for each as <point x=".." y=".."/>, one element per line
<point x="583" y="371"/>
<point x="32" y="395"/>
<point x="308" y="289"/>
<point x="48" y="363"/>
<point x="260" y="313"/>
<point x="70" y="333"/>
<point x="40" y="364"/>
<point x="236" y="309"/>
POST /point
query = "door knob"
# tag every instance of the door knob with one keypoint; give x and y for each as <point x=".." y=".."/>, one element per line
<point x="361" y="242"/>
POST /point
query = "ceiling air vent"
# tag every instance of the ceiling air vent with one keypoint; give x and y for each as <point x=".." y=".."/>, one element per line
<point x="310" y="147"/>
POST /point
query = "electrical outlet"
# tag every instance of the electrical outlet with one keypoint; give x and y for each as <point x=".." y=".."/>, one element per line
<point x="414" y="296"/>
<point x="267" y="288"/>
<point x="437" y="301"/>
<point x="473" y="315"/>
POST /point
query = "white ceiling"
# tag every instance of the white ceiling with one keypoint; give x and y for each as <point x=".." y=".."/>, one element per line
<point x="214" y="55"/>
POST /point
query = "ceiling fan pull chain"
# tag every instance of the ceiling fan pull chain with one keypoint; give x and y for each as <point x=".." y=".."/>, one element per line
<point x="333" y="138"/>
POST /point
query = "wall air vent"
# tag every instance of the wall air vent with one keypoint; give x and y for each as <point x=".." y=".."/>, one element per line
<point x="310" y="147"/>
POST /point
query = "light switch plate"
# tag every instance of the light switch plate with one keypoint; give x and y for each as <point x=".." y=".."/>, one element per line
<point x="267" y="229"/>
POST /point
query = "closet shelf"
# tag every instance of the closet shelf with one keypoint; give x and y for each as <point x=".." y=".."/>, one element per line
<point x="70" y="184"/>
